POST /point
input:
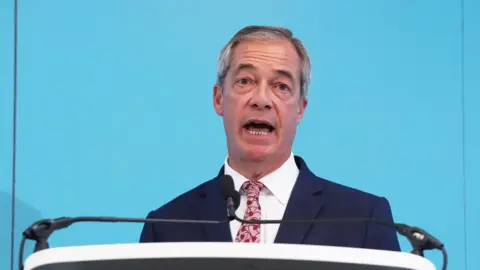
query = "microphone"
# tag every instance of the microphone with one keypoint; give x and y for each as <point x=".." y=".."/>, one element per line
<point x="418" y="238"/>
<point x="230" y="195"/>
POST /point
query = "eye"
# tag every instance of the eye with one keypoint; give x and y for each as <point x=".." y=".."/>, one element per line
<point x="283" y="87"/>
<point x="243" y="81"/>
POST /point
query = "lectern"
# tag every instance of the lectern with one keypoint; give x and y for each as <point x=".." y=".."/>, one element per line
<point x="211" y="256"/>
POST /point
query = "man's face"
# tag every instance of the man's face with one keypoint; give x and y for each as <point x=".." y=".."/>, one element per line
<point x="260" y="102"/>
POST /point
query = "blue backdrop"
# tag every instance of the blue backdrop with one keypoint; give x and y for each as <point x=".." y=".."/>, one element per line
<point x="115" y="98"/>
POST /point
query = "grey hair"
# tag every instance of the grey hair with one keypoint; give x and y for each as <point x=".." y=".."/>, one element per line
<point x="265" y="33"/>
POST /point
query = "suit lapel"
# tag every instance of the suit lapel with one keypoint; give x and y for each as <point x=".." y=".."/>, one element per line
<point x="305" y="203"/>
<point x="212" y="206"/>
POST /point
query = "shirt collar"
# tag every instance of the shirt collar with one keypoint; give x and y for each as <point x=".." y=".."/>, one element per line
<point x="279" y="182"/>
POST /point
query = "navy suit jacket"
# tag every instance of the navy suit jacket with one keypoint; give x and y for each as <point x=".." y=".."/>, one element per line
<point x="312" y="198"/>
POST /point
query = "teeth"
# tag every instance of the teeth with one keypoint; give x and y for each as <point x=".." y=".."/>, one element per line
<point x="258" y="133"/>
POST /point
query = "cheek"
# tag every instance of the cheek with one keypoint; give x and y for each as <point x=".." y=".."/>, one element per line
<point x="231" y="112"/>
<point x="288" y="113"/>
<point x="234" y="104"/>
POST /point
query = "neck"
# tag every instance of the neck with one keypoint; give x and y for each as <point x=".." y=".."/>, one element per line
<point x="256" y="169"/>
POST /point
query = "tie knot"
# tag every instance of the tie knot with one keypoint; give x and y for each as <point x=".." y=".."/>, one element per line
<point x="252" y="188"/>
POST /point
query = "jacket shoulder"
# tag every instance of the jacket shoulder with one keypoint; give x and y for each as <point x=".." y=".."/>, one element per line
<point x="182" y="205"/>
<point x="347" y="191"/>
<point x="352" y="202"/>
<point x="355" y="200"/>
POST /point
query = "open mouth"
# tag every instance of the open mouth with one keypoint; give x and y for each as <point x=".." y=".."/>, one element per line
<point x="259" y="128"/>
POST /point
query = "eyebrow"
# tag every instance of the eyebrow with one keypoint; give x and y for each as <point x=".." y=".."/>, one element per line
<point x="281" y="72"/>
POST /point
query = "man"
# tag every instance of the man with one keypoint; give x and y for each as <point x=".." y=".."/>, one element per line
<point x="261" y="93"/>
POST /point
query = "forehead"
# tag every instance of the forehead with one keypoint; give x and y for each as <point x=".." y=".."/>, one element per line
<point x="267" y="55"/>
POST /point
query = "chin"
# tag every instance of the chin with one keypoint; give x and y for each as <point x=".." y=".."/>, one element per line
<point x="257" y="152"/>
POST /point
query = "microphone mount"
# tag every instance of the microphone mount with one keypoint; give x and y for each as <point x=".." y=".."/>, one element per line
<point x="418" y="238"/>
<point x="41" y="230"/>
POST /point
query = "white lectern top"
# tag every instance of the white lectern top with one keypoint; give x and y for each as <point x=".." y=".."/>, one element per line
<point x="232" y="256"/>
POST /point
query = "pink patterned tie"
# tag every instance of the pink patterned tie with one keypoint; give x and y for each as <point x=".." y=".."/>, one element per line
<point x="250" y="233"/>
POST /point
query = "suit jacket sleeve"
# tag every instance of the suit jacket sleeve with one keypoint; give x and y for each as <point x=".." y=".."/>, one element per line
<point x="148" y="233"/>
<point x="380" y="236"/>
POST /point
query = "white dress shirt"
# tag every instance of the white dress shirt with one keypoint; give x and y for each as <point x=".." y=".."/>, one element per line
<point x="273" y="197"/>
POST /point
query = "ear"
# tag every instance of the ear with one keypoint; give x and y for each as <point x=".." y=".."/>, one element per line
<point x="302" y="106"/>
<point x="218" y="99"/>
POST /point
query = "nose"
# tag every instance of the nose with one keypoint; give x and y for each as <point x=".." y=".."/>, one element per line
<point x="261" y="98"/>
